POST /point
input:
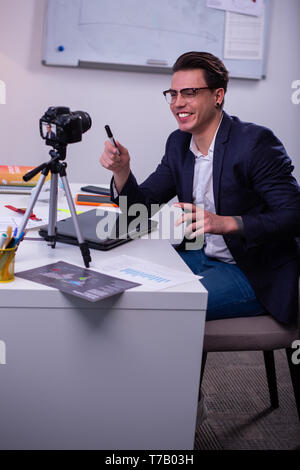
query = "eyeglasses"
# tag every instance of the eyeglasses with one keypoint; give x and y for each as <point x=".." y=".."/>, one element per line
<point x="187" y="93"/>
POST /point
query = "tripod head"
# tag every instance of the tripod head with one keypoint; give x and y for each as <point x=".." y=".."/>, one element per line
<point x="59" y="152"/>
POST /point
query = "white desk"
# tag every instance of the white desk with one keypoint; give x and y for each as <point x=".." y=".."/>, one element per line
<point x="122" y="373"/>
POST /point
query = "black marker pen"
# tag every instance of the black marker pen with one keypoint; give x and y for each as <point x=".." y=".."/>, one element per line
<point x="111" y="138"/>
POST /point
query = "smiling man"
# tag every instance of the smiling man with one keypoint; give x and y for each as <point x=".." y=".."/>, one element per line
<point x="234" y="181"/>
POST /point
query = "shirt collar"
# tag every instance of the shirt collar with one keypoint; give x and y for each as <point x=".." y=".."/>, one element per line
<point x="196" y="151"/>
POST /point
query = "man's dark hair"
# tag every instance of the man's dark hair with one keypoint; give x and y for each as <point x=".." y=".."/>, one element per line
<point x="215" y="72"/>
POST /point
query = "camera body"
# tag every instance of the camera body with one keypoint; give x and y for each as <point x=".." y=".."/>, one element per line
<point x="59" y="126"/>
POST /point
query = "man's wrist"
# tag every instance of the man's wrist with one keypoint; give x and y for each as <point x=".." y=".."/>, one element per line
<point x="120" y="179"/>
<point x="234" y="225"/>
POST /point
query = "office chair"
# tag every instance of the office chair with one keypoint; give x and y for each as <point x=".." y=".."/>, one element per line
<point x="261" y="333"/>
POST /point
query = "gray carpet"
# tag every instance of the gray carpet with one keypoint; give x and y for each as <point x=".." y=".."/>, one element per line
<point x="239" y="413"/>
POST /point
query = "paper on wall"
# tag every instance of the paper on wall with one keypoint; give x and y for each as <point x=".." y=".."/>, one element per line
<point x="243" y="37"/>
<point x="246" y="7"/>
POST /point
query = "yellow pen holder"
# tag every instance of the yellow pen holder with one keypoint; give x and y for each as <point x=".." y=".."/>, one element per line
<point x="7" y="264"/>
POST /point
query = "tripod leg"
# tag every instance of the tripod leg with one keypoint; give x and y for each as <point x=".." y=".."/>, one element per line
<point x="51" y="239"/>
<point x="33" y="199"/>
<point x="82" y="244"/>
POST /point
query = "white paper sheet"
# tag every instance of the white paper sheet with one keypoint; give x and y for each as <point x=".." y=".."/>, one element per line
<point x="152" y="276"/>
<point x="5" y="222"/>
<point x="246" y="7"/>
<point x="15" y="219"/>
<point x="243" y="36"/>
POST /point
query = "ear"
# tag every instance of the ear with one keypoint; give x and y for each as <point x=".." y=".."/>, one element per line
<point x="219" y="96"/>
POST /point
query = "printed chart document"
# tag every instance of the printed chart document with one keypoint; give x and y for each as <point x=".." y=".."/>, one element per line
<point x="243" y="36"/>
<point x="78" y="281"/>
<point x="151" y="276"/>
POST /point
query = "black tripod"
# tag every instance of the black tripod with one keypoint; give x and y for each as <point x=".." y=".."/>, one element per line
<point x="56" y="167"/>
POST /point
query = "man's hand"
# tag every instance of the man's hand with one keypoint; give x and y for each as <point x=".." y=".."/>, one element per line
<point x="118" y="164"/>
<point x="200" y="221"/>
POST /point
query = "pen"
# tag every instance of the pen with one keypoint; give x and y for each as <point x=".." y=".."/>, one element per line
<point x="8" y="233"/>
<point x="19" y="239"/>
<point x="3" y="240"/>
<point x="111" y="138"/>
<point x="14" y="241"/>
<point x="11" y="243"/>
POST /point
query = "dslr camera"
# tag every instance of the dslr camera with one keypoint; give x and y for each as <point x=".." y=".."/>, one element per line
<point x="59" y="126"/>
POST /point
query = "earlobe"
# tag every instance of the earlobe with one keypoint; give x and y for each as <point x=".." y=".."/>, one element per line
<point x="219" y="95"/>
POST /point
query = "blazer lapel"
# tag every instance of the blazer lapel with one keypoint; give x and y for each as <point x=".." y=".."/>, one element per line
<point x="219" y="152"/>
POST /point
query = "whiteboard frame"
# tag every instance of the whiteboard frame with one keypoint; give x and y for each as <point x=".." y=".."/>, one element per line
<point x="148" y="68"/>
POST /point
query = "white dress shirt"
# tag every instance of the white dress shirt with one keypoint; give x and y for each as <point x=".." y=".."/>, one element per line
<point x="214" y="245"/>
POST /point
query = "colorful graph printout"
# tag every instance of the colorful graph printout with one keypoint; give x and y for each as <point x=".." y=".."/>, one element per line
<point x="78" y="281"/>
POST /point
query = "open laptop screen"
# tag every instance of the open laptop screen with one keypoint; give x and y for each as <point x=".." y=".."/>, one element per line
<point x="102" y="230"/>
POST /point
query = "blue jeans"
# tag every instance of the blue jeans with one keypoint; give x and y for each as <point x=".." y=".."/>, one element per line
<point x="229" y="292"/>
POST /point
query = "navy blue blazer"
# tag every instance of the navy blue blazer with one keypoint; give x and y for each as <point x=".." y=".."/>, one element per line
<point x="252" y="178"/>
<point x="52" y="135"/>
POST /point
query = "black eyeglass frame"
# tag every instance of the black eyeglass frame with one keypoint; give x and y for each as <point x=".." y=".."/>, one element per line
<point x="194" y="90"/>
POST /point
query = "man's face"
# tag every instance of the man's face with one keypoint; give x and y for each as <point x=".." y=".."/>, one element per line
<point x="193" y="115"/>
<point x="48" y="129"/>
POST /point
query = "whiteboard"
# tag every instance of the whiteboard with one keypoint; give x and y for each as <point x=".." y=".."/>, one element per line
<point x="140" y="35"/>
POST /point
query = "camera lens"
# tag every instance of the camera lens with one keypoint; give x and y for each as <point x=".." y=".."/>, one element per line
<point x="86" y="120"/>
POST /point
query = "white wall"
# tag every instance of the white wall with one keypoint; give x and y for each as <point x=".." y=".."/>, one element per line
<point x="130" y="102"/>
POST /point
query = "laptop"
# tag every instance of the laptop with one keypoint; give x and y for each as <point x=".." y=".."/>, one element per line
<point x="102" y="230"/>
